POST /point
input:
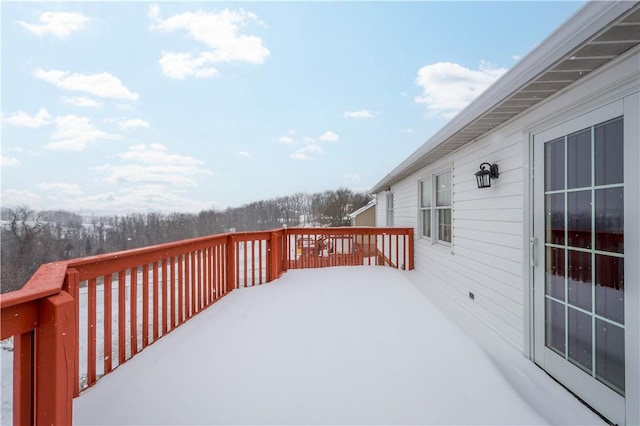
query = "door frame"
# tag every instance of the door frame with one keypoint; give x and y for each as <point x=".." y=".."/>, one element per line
<point x="626" y="98"/>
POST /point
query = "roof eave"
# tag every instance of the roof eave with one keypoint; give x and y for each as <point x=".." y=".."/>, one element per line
<point x="583" y="25"/>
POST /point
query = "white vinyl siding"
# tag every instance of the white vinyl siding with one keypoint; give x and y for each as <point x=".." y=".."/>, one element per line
<point x="488" y="249"/>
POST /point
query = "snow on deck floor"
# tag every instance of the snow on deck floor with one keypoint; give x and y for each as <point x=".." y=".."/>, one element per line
<point x="342" y="345"/>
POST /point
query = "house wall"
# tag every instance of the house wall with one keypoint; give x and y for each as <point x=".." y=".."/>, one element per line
<point x="366" y="218"/>
<point x="491" y="226"/>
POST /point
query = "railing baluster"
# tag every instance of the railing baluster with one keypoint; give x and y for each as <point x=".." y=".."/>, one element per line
<point x="145" y="305"/>
<point x="172" y="292"/>
<point x="260" y="261"/>
<point x="165" y="293"/>
<point x="108" y="323"/>
<point x="122" y="287"/>
<point x="133" y="311"/>
<point x="23" y="349"/>
<point x="91" y="332"/>
<point x="181" y="295"/>
<point x="155" y="301"/>
<point x="207" y="277"/>
<point x="192" y="270"/>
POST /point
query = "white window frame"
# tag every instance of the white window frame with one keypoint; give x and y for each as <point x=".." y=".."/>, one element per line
<point x="429" y="182"/>
<point x="441" y="209"/>
<point x="425" y="184"/>
<point x="389" y="200"/>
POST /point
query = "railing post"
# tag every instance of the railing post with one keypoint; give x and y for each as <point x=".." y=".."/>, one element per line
<point x="231" y="263"/>
<point x="287" y="250"/>
<point x="55" y="369"/>
<point x="274" y="256"/>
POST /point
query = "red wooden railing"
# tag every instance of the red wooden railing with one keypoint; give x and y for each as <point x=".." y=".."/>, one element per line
<point x="110" y="307"/>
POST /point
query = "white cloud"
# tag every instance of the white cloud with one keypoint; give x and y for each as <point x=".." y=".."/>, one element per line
<point x="286" y="139"/>
<point x="407" y="130"/>
<point x="133" y="123"/>
<point x="292" y="132"/>
<point x="156" y="153"/>
<point x="148" y="198"/>
<point x="154" y="12"/>
<point x="219" y="31"/>
<point x="306" y="152"/>
<point x="74" y="133"/>
<point x="152" y="164"/>
<point x="448" y="87"/>
<point x="329" y="136"/>
<point x="157" y="174"/>
<point x="103" y="85"/>
<point x="9" y="161"/>
<point x="61" y="189"/>
<point x="363" y="113"/>
<point x="182" y="65"/>
<point x="22" y="119"/>
<point x="516" y="57"/>
<point x="244" y="154"/>
<point x="352" y="178"/>
<point x="60" y="24"/>
<point x="18" y="197"/>
<point x="81" y="101"/>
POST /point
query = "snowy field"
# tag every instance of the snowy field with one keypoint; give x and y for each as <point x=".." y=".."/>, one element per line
<point x="342" y="345"/>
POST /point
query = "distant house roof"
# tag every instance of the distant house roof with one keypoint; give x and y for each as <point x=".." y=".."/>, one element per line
<point x="597" y="33"/>
<point x="362" y="209"/>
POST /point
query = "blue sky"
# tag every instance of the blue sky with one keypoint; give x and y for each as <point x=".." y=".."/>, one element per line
<point x="117" y="107"/>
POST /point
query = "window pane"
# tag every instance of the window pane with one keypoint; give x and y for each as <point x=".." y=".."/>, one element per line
<point x="443" y="189"/>
<point x="609" y="211"/>
<point x="425" y="193"/>
<point x="444" y="225"/>
<point x="580" y="338"/>
<point x="580" y="279"/>
<point x="554" y="165"/>
<point x="610" y="287"/>
<point x="610" y="355"/>
<point x="554" y="326"/>
<point x="579" y="218"/>
<point x="426" y="223"/>
<point x="555" y="273"/>
<point x="554" y="207"/>
<point x="609" y="152"/>
<point x="579" y="159"/>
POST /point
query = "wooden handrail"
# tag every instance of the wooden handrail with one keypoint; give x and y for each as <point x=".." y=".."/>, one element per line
<point x="132" y="298"/>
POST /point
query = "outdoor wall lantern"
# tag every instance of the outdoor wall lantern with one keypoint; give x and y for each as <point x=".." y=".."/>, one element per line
<point x="485" y="174"/>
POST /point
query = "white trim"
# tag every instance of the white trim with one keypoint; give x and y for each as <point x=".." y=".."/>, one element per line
<point x="632" y="251"/>
<point x="618" y="409"/>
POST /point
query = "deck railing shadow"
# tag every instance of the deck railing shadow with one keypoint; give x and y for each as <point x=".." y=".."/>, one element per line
<point x="77" y="320"/>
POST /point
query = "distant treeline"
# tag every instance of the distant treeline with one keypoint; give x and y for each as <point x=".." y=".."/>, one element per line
<point x="31" y="238"/>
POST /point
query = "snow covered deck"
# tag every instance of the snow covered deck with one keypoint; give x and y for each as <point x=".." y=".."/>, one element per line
<point x="341" y="345"/>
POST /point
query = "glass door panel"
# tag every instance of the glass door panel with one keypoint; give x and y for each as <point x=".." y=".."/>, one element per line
<point x="584" y="255"/>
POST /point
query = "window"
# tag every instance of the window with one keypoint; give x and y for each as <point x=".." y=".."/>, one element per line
<point x="443" y="206"/>
<point x="425" y="207"/>
<point x="389" y="209"/>
<point x="435" y="220"/>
